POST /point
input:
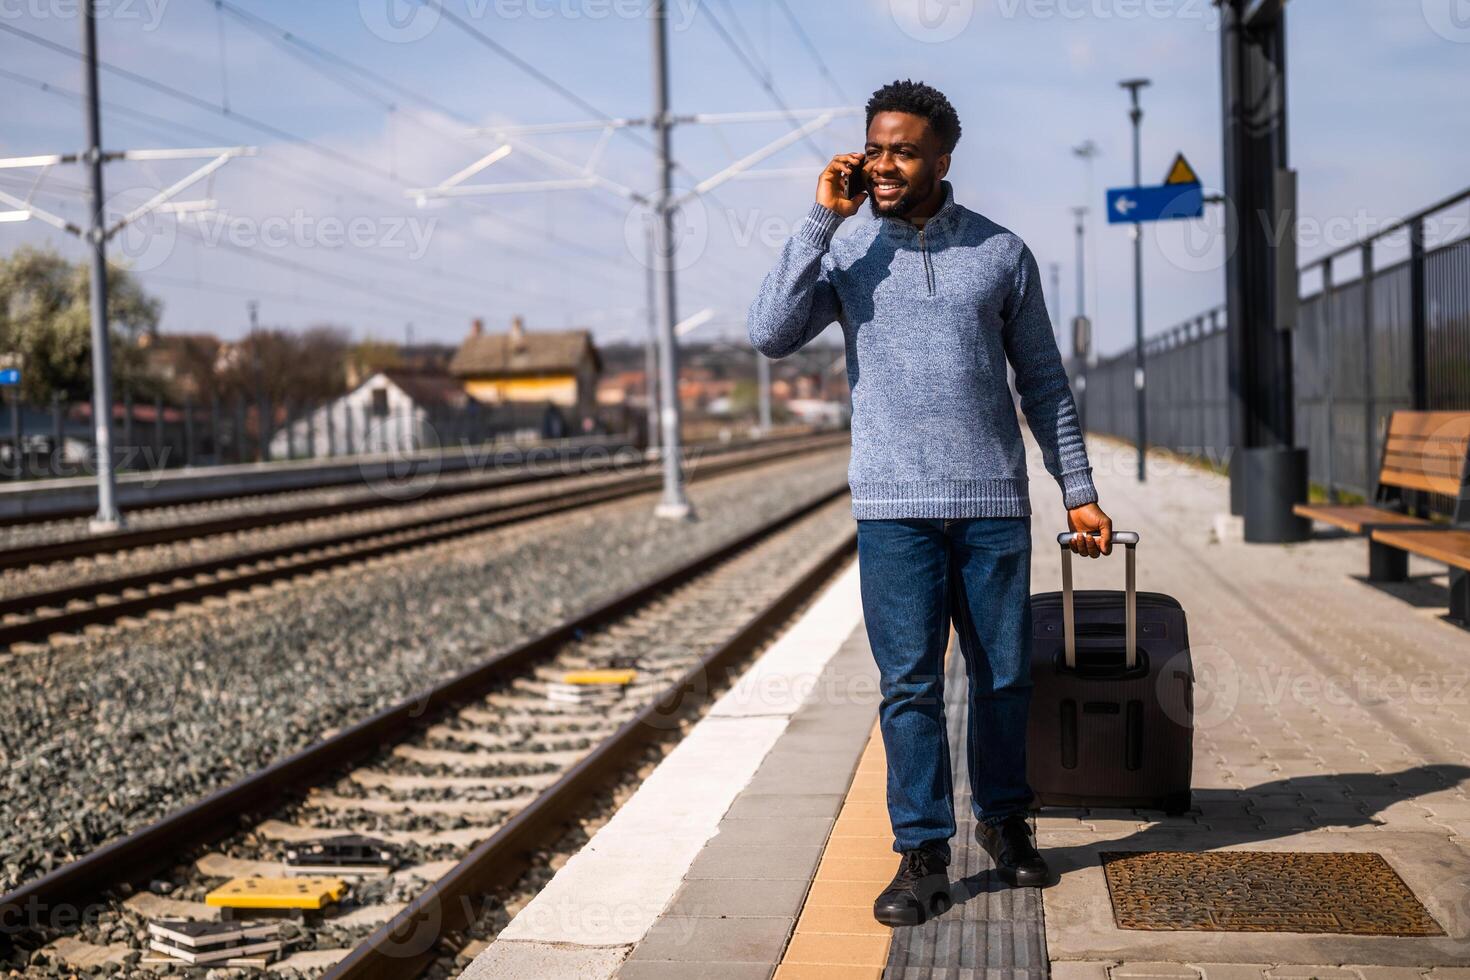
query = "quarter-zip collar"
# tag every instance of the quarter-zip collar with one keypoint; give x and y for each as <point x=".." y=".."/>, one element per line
<point x="935" y="229"/>
<point x="941" y="222"/>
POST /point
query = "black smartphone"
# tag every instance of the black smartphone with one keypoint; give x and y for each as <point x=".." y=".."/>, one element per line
<point x="857" y="182"/>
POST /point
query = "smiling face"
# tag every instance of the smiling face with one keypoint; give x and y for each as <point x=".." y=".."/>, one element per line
<point x="904" y="165"/>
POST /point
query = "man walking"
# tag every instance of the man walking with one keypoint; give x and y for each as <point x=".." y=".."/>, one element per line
<point x="934" y="300"/>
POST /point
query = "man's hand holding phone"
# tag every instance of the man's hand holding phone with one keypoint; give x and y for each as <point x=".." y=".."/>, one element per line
<point x="832" y="187"/>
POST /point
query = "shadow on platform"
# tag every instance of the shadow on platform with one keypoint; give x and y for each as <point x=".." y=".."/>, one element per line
<point x="1371" y="792"/>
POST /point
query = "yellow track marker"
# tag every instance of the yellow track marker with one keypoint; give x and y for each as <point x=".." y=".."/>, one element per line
<point x="592" y="677"/>
<point x="277" y="893"/>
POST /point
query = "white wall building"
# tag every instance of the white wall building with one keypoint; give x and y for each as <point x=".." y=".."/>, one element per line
<point x="389" y="412"/>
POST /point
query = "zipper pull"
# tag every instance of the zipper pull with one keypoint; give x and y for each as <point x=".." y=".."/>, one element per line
<point x="924" y="254"/>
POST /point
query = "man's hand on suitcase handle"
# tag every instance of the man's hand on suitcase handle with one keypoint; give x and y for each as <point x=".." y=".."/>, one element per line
<point x="1090" y="517"/>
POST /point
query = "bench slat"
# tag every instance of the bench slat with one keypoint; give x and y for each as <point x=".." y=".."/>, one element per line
<point x="1445" y="424"/>
<point x="1353" y="517"/>
<point x="1450" y="547"/>
<point x="1450" y="453"/>
<point x="1448" y="468"/>
<point x="1419" y="481"/>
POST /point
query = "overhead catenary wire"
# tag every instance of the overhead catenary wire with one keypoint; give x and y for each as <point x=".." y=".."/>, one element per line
<point x="336" y="69"/>
<point x="811" y="47"/>
<point x="756" y="73"/>
<point x="355" y="284"/>
<point x="378" y="79"/>
<point x="316" y="50"/>
<point x="163" y="126"/>
<point x="269" y="129"/>
<point x="182" y="282"/>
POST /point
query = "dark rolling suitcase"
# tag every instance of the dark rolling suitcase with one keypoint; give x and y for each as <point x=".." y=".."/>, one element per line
<point x="1112" y="708"/>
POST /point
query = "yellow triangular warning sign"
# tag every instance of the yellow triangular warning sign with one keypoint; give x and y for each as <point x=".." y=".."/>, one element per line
<point x="1181" y="172"/>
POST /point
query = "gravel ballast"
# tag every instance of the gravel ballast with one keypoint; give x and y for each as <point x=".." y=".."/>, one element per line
<point x="104" y="734"/>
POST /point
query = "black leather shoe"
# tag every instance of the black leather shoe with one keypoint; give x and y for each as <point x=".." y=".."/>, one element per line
<point x="1012" y="849"/>
<point x="918" y="891"/>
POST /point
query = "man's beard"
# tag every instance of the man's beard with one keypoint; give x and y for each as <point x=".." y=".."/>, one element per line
<point x="910" y="199"/>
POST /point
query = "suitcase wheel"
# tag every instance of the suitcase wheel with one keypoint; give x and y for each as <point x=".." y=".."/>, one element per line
<point x="1177" y="804"/>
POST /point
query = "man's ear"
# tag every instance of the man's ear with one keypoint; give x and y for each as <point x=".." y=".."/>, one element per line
<point x="942" y="166"/>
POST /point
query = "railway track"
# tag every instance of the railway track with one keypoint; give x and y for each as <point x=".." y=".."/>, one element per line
<point x="415" y="489"/>
<point x="468" y="779"/>
<point x="34" y="616"/>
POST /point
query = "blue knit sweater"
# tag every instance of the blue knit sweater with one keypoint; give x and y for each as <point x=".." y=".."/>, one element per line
<point x="930" y="319"/>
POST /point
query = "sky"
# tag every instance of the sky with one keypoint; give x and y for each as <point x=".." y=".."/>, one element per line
<point x="375" y="98"/>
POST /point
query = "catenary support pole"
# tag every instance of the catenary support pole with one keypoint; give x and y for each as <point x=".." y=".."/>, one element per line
<point x="650" y="353"/>
<point x="674" y="504"/>
<point x="108" y="517"/>
<point x="763" y="390"/>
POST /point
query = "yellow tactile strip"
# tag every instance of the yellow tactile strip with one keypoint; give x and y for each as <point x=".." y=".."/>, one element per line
<point x="837" y="936"/>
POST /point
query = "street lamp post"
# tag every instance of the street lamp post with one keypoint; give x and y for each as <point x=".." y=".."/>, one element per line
<point x="1080" y="351"/>
<point x="1134" y="85"/>
<point x="1087" y="151"/>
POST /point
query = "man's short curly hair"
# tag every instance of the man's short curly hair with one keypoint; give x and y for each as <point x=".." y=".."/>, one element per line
<point x="920" y="100"/>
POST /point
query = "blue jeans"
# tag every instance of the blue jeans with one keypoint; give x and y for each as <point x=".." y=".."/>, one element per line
<point x="918" y="576"/>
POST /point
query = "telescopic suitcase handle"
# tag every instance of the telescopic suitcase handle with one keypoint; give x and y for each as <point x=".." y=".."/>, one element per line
<point x="1130" y="601"/>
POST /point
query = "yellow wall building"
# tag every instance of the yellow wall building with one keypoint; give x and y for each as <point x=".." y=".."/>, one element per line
<point x="555" y="366"/>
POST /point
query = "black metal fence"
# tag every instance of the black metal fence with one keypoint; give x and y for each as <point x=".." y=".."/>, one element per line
<point x="57" y="439"/>
<point x="1384" y="324"/>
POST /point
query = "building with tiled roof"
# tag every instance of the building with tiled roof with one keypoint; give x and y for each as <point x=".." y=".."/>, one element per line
<point x="556" y="366"/>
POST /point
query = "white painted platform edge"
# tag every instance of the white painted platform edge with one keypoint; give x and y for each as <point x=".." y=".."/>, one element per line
<point x="611" y="892"/>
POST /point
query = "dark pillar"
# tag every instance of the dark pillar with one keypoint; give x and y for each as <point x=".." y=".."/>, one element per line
<point x="1260" y="273"/>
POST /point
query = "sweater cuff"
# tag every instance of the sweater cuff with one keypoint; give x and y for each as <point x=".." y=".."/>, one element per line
<point x="819" y="226"/>
<point x="1077" y="489"/>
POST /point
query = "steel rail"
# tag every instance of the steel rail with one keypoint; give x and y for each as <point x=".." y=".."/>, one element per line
<point x="405" y="945"/>
<point x="334" y="550"/>
<point x="152" y="848"/>
<point x="116" y="541"/>
<point x="449" y="462"/>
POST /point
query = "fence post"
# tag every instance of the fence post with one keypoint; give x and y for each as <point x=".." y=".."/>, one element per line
<point x="241" y="449"/>
<point x="158" y="432"/>
<point x="290" y="430"/>
<point x="188" y="432"/>
<point x="216" y="437"/>
<point x="1329" y="370"/>
<point x="1370" y="396"/>
<point x="128" y="438"/>
<point x="1419" y="312"/>
<point x="1222" y="373"/>
<point x="310" y="431"/>
<point x="17" y="451"/>
<point x="267" y="411"/>
<point x="347" y="426"/>
<point x="58" y="435"/>
<point x="1199" y="387"/>
<point x="1419" y="335"/>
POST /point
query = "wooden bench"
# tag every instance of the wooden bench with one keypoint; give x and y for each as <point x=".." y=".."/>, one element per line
<point x="1424" y="452"/>
<point x="1450" y="546"/>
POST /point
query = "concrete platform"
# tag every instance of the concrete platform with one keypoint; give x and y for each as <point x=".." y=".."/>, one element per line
<point x="1331" y="716"/>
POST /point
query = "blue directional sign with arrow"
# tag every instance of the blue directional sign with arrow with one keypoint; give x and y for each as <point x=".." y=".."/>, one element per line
<point x="9" y="377"/>
<point x="1181" y="196"/>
